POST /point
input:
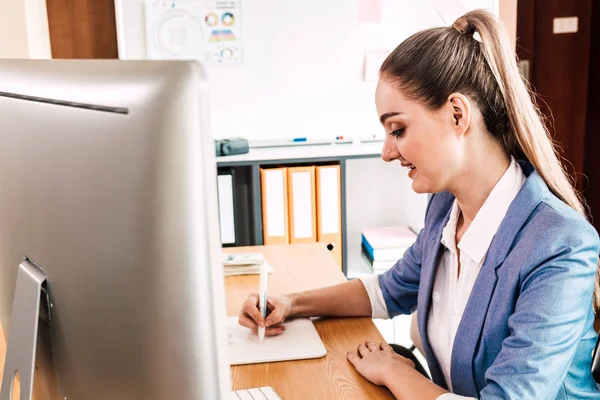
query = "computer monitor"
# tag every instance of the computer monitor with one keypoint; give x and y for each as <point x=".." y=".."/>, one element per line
<point x="108" y="185"/>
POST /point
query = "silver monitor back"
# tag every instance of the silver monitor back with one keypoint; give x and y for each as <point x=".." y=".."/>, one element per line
<point x="108" y="182"/>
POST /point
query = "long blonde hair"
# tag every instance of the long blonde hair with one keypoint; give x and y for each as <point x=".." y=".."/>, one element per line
<point x="432" y="64"/>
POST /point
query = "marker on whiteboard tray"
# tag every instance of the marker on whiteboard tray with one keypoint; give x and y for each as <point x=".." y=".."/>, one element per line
<point x="299" y="139"/>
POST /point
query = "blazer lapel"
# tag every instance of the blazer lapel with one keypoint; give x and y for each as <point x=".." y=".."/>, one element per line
<point x="471" y="325"/>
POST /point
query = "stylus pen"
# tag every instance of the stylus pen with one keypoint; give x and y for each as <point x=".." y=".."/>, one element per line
<point x="262" y="300"/>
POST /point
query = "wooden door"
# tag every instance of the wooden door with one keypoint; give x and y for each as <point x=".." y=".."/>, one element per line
<point x="559" y="70"/>
<point x="592" y="147"/>
<point x="82" y="28"/>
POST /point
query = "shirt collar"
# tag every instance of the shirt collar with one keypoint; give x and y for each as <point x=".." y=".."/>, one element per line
<point x="478" y="237"/>
<point x="449" y="232"/>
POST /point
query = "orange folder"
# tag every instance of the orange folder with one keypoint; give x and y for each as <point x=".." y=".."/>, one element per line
<point x="301" y="204"/>
<point x="329" y="209"/>
<point x="274" y="192"/>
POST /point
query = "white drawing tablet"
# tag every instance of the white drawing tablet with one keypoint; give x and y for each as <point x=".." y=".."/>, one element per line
<point x="300" y="340"/>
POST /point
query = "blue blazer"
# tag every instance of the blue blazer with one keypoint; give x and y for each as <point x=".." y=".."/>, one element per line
<point x="527" y="329"/>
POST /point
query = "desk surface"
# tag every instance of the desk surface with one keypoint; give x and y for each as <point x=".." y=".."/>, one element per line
<point x="301" y="267"/>
<point x="298" y="267"/>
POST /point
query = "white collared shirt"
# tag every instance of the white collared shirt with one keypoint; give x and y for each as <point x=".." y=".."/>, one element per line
<point x="451" y="291"/>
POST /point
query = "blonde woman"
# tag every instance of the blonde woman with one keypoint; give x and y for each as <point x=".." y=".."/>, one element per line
<point x="503" y="273"/>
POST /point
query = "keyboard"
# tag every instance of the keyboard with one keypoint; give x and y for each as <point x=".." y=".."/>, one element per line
<point x="261" y="393"/>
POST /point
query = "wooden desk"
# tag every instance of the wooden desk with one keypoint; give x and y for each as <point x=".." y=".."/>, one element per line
<point x="298" y="267"/>
<point x="301" y="267"/>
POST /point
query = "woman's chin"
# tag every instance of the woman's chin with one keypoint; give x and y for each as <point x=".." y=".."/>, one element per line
<point x="420" y="188"/>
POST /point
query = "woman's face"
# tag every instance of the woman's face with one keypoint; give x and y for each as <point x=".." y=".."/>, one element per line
<point x="424" y="141"/>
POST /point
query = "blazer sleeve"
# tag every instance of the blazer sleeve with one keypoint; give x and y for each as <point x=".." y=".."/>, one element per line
<point x="400" y="284"/>
<point x="552" y="313"/>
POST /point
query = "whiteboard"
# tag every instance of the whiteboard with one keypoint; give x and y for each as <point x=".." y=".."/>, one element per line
<point x="302" y="66"/>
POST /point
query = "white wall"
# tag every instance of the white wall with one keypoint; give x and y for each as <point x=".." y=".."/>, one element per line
<point x="302" y="68"/>
<point x="24" y="29"/>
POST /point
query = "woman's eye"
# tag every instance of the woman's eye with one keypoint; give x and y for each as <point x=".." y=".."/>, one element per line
<point x="397" y="133"/>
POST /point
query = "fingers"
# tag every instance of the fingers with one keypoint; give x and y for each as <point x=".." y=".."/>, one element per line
<point x="371" y="346"/>
<point x="270" y="305"/>
<point x="363" y="350"/>
<point x="353" y="358"/>
<point x="245" y="320"/>
<point x="275" y="330"/>
<point x="275" y="317"/>
<point x="366" y="348"/>
<point x="248" y="322"/>
<point x="250" y="309"/>
<point x="386" y="348"/>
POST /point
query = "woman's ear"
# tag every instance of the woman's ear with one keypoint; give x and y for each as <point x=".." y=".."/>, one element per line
<point x="461" y="112"/>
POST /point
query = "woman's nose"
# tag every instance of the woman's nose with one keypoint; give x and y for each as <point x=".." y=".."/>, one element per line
<point x="389" y="152"/>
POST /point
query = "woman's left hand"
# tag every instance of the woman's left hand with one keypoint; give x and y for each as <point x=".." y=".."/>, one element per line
<point x="378" y="362"/>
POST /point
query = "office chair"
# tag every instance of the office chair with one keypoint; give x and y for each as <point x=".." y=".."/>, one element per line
<point x="596" y="362"/>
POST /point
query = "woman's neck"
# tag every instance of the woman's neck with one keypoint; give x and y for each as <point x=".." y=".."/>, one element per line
<point x="477" y="179"/>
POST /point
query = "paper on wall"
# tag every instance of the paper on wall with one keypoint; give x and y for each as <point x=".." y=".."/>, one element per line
<point x="205" y="30"/>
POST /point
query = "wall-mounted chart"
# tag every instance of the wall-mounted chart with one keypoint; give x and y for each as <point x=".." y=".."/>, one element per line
<point x="205" y="30"/>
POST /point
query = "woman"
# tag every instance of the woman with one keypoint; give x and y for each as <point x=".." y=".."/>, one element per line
<point x="502" y="275"/>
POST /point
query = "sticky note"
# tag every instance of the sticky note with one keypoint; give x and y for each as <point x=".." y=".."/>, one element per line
<point x="369" y="11"/>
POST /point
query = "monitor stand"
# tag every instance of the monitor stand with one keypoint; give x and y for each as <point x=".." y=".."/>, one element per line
<point x="22" y="338"/>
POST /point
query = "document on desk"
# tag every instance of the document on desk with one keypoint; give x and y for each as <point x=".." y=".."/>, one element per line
<point x="244" y="263"/>
<point x="299" y="341"/>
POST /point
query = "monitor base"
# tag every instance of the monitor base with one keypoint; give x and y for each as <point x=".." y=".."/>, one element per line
<point x="22" y="338"/>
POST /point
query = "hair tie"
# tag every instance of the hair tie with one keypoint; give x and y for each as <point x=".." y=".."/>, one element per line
<point x="461" y="25"/>
<point x="464" y="28"/>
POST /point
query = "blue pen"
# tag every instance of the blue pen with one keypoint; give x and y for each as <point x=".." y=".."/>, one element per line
<point x="299" y="139"/>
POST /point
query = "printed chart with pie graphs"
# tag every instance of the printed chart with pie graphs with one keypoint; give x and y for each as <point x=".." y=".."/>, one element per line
<point x="202" y="30"/>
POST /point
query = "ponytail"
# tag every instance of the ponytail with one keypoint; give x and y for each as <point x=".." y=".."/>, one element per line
<point x="474" y="57"/>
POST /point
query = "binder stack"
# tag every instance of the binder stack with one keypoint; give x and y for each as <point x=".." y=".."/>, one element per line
<point x="303" y="205"/>
<point x="385" y="245"/>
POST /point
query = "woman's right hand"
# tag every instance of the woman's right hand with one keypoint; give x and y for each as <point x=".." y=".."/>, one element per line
<point x="278" y="309"/>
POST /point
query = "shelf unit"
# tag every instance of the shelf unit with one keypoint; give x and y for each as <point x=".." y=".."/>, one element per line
<point x="372" y="192"/>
